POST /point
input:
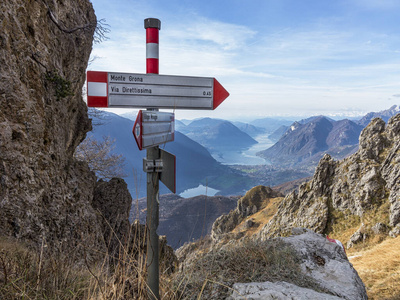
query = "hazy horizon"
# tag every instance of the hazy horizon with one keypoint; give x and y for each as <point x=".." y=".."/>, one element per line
<point x="132" y="113"/>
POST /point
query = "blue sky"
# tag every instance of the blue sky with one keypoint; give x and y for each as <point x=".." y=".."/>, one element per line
<point x="275" y="57"/>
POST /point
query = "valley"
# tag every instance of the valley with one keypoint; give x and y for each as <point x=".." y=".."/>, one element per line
<point x="228" y="158"/>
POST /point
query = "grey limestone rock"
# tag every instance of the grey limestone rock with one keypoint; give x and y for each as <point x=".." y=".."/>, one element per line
<point x="325" y="262"/>
<point x="380" y="228"/>
<point x="395" y="232"/>
<point x="112" y="202"/>
<point x="276" y="291"/>
<point x="309" y="207"/>
<point x="357" y="237"/>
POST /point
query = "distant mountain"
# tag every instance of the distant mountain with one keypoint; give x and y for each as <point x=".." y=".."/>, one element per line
<point x="313" y="118"/>
<point x="277" y="134"/>
<point x="251" y="130"/>
<point x="218" y="135"/>
<point x="185" y="219"/>
<point x="131" y="115"/>
<point x="179" y="125"/>
<point x="306" y="141"/>
<point x="385" y="115"/>
<point x="344" y="132"/>
<point x="185" y="121"/>
<point x="271" y="124"/>
<point x="194" y="164"/>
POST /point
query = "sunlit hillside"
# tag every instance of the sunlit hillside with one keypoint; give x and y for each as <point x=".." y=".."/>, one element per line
<point x="379" y="268"/>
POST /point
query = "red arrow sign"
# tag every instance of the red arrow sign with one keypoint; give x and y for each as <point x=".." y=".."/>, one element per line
<point x="106" y="89"/>
<point x="220" y="94"/>
<point x="137" y="130"/>
<point x="153" y="128"/>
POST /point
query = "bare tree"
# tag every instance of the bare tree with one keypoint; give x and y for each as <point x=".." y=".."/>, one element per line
<point x="101" y="28"/>
<point x="98" y="117"/>
<point x="99" y="156"/>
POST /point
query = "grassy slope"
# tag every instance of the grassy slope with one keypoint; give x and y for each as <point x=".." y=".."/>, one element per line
<point x="379" y="268"/>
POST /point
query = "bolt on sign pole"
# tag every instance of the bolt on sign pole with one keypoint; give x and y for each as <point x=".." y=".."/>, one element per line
<point x="152" y="27"/>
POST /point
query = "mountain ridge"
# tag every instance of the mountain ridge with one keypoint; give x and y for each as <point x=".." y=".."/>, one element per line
<point x="218" y="135"/>
<point x="304" y="144"/>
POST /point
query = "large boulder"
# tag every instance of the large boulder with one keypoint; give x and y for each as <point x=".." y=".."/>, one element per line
<point x="324" y="261"/>
<point x="276" y="291"/>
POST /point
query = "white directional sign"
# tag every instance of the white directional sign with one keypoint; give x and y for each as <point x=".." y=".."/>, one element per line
<point x="107" y="89"/>
<point x="153" y="128"/>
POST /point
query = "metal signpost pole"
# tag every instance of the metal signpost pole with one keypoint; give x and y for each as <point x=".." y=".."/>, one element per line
<point x="152" y="27"/>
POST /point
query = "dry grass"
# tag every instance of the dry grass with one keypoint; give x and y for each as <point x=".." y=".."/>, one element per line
<point x="211" y="275"/>
<point x="379" y="269"/>
<point x="30" y="274"/>
<point x="343" y="224"/>
<point x="26" y="274"/>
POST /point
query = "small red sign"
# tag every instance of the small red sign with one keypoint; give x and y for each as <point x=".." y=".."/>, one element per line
<point x="137" y="130"/>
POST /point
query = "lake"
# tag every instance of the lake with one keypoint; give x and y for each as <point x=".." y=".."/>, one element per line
<point x="246" y="157"/>
<point x="200" y="190"/>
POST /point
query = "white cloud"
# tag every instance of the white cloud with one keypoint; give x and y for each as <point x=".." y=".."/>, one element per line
<point x="201" y="30"/>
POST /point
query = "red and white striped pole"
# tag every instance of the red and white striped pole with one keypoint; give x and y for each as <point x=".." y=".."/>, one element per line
<point x="152" y="27"/>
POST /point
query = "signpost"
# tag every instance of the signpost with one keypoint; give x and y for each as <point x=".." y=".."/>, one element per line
<point x="153" y="128"/>
<point x="107" y="89"/>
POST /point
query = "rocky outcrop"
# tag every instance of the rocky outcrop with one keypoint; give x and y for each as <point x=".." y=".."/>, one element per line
<point x="309" y="207"/>
<point x="249" y="204"/>
<point x="45" y="194"/>
<point x="364" y="182"/>
<point x="135" y="249"/>
<point x="325" y="262"/>
<point x="112" y="201"/>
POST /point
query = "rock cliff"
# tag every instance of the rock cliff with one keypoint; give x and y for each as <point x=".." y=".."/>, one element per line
<point x="45" y="194"/>
<point x="49" y="200"/>
<point x="253" y="201"/>
<point x="362" y="187"/>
